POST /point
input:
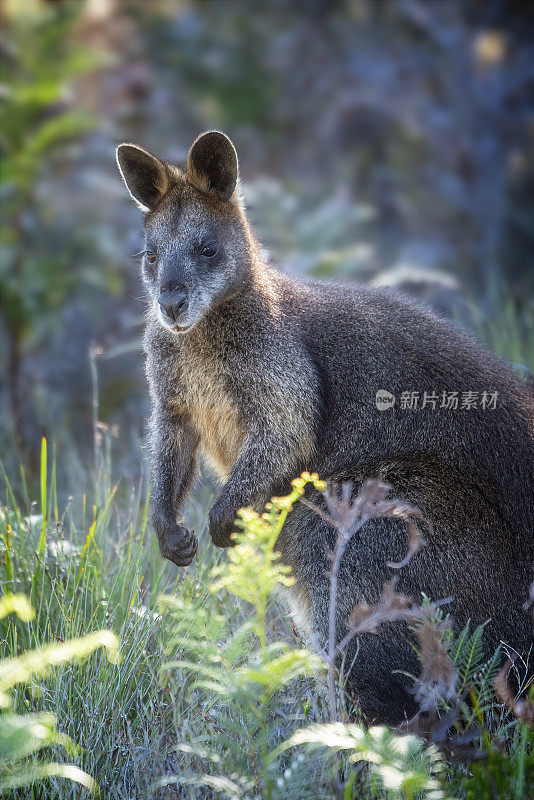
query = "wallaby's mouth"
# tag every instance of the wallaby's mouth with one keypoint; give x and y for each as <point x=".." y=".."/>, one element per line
<point x="175" y="325"/>
<point x="181" y="329"/>
<point x="180" y="314"/>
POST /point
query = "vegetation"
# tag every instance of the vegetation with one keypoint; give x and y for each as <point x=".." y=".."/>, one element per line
<point x="210" y="692"/>
<point x="26" y="734"/>
<point x="37" y="121"/>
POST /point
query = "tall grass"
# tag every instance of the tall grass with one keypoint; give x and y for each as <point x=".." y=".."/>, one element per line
<point x="88" y="569"/>
<point x="93" y="565"/>
<point x="508" y="333"/>
<point x="211" y="695"/>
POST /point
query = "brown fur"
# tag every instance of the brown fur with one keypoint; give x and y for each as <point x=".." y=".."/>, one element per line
<point x="269" y="375"/>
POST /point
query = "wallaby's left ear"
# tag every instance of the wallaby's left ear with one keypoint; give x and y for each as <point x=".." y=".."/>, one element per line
<point x="212" y="164"/>
<point x="145" y="175"/>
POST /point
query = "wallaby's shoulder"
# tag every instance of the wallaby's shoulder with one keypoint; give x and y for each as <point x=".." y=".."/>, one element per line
<point x="354" y="303"/>
<point x="379" y="318"/>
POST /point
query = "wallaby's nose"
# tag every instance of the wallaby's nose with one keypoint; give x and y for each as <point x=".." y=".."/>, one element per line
<point x="172" y="299"/>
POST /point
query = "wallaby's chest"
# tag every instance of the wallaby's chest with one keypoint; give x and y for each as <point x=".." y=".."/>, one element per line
<point x="201" y="389"/>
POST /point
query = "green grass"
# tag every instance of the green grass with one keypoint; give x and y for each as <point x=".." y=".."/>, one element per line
<point x="508" y="333"/>
<point x="97" y="569"/>
<point x="210" y="691"/>
<point x="95" y="566"/>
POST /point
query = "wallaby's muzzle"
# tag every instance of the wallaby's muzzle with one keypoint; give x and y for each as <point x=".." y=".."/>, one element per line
<point x="172" y="301"/>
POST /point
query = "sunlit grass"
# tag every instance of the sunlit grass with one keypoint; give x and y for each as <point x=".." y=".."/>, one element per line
<point x="95" y="569"/>
<point x="508" y="333"/>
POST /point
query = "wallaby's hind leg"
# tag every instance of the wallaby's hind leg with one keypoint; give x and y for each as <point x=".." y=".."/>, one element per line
<point x="457" y="552"/>
<point x="373" y="684"/>
<point x="373" y="665"/>
<point x="368" y="665"/>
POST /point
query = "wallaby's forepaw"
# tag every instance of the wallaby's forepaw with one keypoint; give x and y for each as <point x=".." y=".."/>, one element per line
<point x="176" y="543"/>
<point x="221" y="529"/>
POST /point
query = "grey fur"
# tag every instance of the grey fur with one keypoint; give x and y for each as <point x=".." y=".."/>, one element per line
<point x="269" y="375"/>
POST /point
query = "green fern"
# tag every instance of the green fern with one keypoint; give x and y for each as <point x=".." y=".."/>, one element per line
<point x="236" y="673"/>
<point x="404" y="767"/>
<point x="469" y="655"/>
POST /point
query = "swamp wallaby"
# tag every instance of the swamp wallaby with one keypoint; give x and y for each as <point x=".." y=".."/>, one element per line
<point x="269" y="375"/>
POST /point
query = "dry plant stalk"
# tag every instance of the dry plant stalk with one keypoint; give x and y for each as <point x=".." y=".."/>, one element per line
<point x="348" y="515"/>
<point x="522" y="709"/>
<point x="438" y="678"/>
<point x="437" y="681"/>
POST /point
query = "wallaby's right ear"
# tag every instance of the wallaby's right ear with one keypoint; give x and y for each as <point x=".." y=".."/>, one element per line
<point x="145" y="175"/>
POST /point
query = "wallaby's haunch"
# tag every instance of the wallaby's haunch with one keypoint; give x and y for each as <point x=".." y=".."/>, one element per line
<point x="269" y="375"/>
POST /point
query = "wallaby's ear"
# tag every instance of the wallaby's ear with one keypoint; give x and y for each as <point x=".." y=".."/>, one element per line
<point x="145" y="175"/>
<point x="212" y="164"/>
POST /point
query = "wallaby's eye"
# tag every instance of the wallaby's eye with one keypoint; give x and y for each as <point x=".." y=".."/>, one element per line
<point x="150" y="257"/>
<point x="209" y="250"/>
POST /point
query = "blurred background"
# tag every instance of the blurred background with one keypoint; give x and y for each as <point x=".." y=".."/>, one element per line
<point x="387" y="141"/>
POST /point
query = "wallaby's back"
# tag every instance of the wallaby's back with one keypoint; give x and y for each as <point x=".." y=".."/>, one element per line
<point x="468" y="470"/>
<point x="362" y="340"/>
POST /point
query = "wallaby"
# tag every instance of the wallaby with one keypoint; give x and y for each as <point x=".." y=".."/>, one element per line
<point x="269" y="375"/>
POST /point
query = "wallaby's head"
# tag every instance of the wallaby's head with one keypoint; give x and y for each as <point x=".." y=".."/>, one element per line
<point x="197" y="247"/>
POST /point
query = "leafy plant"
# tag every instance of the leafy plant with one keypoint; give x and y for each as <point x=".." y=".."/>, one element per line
<point x="95" y="569"/>
<point x="236" y="709"/>
<point x="505" y="773"/>
<point x="239" y="675"/>
<point x="236" y="674"/>
<point x="401" y="765"/>
<point x="38" y="254"/>
<point x="25" y="735"/>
